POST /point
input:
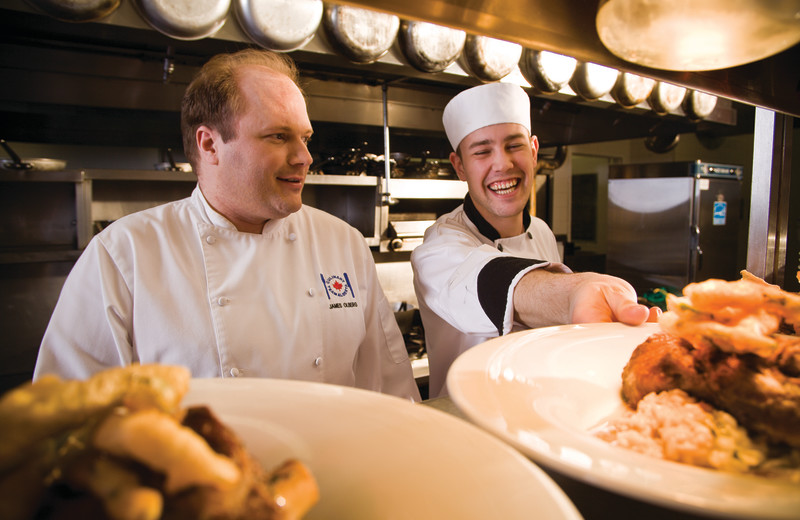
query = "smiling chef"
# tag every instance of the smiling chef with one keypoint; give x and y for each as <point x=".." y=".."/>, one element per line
<point x="239" y="279"/>
<point x="488" y="267"/>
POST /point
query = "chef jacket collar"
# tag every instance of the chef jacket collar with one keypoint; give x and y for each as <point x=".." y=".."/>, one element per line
<point x="218" y="219"/>
<point x="483" y="226"/>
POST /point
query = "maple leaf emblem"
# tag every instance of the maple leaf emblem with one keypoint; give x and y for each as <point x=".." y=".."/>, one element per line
<point x="337" y="285"/>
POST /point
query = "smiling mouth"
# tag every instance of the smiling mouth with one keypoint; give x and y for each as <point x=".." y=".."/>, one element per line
<point x="504" y="187"/>
<point x="291" y="180"/>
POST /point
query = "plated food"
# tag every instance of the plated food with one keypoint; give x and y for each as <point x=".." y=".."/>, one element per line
<point x="719" y="386"/>
<point x="120" y="445"/>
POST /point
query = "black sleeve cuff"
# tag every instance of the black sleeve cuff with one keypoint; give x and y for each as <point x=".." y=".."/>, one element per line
<point x="493" y="283"/>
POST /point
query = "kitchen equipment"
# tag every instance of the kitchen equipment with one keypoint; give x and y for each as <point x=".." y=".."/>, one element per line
<point x="17" y="164"/>
<point x="547" y="72"/>
<point x="687" y="35"/>
<point x="670" y="224"/>
<point x="699" y="105"/>
<point x="171" y="166"/>
<point x="76" y="11"/>
<point x="279" y="25"/>
<point x="665" y="97"/>
<point x="592" y="81"/>
<point x="489" y="59"/>
<point x="183" y="20"/>
<point x="631" y="89"/>
<point x="429" y="47"/>
<point x="361" y="35"/>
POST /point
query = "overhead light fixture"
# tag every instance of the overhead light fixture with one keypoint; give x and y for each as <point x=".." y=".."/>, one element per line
<point x="693" y="35"/>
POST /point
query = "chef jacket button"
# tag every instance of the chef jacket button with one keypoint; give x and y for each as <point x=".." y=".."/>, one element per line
<point x="311" y="292"/>
<point x="223" y="300"/>
<point x="318" y="361"/>
<point x="499" y="247"/>
<point x="235" y="372"/>
<point x="529" y="235"/>
<point x="292" y="237"/>
<point x="211" y="239"/>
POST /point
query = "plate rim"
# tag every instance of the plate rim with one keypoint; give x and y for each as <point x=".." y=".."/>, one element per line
<point x="662" y="497"/>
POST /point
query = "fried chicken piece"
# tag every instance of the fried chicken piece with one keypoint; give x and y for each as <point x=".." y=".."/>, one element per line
<point x="762" y="397"/>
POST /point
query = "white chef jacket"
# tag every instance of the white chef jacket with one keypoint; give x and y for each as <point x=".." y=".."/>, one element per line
<point x="464" y="279"/>
<point x="178" y="284"/>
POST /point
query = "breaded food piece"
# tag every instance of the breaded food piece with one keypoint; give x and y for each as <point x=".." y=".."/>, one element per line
<point x="752" y="389"/>
<point x="44" y="409"/>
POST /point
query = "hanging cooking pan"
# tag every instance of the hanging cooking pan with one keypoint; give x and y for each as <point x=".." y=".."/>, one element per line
<point x="665" y="97"/>
<point x="547" y="72"/>
<point x="699" y="105"/>
<point x="429" y="47"/>
<point x="592" y="81"/>
<point x="631" y="89"/>
<point x="184" y="20"/>
<point x="361" y="35"/>
<point x="17" y="164"/>
<point x="76" y="10"/>
<point x="279" y="25"/>
<point x="489" y="59"/>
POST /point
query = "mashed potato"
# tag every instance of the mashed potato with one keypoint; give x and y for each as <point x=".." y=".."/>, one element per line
<point x="672" y="425"/>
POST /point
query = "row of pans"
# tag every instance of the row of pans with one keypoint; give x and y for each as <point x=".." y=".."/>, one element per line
<point x="363" y="36"/>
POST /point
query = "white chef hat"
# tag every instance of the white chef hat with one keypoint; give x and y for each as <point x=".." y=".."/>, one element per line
<point x="484" y="105"/>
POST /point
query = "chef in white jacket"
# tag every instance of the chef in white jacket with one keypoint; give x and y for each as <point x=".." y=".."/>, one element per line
<point x="488" y="267"/>
<point x="240" y="279"/>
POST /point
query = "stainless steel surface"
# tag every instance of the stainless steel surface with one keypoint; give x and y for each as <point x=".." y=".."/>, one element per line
<point x="670" y="224"/>
<point x="592" y="81"/>
<point x="429" y="47"/>
<point x="489" y="59"/>
<point x="185" y="20"/>
<point x="631" y="89"/>
<point x="770" y="188"/>
<point x="279" y="25"/>
<point x="689" y="35"/>
<point x="547" y="72"/>
<point x="76" y="11"/>
<point x="568" y="27"/>
<point x="362" y="35"/>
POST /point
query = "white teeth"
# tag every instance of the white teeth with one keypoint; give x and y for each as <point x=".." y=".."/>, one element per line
<point x="504" y="187"/>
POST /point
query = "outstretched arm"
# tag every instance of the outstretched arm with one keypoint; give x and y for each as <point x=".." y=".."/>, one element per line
<point x="543" y="298"/>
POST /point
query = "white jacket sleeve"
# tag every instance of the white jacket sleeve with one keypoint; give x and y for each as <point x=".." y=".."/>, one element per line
<point x="446" y="273"/>
<point x="89" y="329"/>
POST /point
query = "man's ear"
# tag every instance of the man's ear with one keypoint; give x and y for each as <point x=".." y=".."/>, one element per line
<point x="458" y="166"/>
<point x="535" y="145"/>
<point x="207" y="140"/>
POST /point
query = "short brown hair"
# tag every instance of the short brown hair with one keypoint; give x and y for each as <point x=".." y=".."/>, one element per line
<point x="213" y="97"/>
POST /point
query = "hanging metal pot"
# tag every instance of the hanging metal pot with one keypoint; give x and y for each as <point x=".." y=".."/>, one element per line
<point x="76" y="10"/>
<point x="279" y="25"/>
<point x="547" y="72"/>
<point x="429" y="47"/>
<point x="361" y="35"/>
<point x="184" y="20"/>
<point x="592" y="81"/>
<point x="699" y="105"/>
<point x="489" y="59"/>
<point x="631" y="89"/>
<point x="665" y="97"/>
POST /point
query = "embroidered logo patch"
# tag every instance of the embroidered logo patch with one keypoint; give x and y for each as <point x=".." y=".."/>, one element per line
<point x="337" y="285"/>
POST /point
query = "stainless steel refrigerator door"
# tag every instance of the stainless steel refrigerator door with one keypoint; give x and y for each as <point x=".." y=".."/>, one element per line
<point x="718" y="213"/>
<point x="650" y="231"/>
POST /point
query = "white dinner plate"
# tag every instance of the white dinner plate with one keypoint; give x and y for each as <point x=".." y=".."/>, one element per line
<point x="381" y="457"/>
<point x="543" y="390"/>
